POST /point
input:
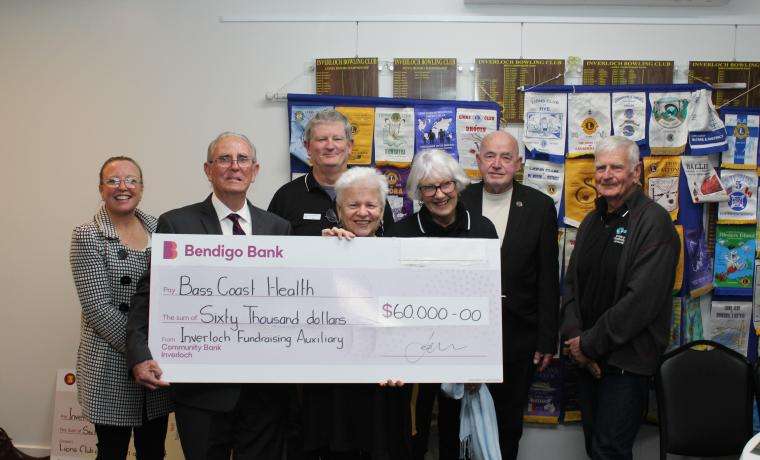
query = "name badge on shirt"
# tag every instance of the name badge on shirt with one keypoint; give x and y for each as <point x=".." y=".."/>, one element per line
<point x="311" y="216"/>
<point x="620" y="233"/>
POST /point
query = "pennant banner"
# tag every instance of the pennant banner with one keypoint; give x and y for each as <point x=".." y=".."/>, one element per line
<point x="742" y="131"/>
<point x="362" y="121"/>
<point x="661" y="182"/>
<point x="544" y="395"/>
<point x="741" y="206"/>
<point x="400" y="204"/>
<point x="729" y="324"/>
<point x="629" y="112"/>
<point x="706" y="131"/>
<point x="588" y="122"/>
<point x="668" y="127"/>
<point x="704" y="184"/>
<point x="435" y="128"/>
<point x="545" y="176"/>
<point x="734" y="259"/>
<point x="691" y="320"/>
<point x="545" y="118"/>
<point x="394" y="136"/>
<point x="678" y="282"/>
<point x="698" y="265"/>
<point x="674" y="338"/>
<point x="472" y="126"/>
<point x="580" y="192"/>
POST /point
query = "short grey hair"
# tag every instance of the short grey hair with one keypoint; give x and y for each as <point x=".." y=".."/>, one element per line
<point x="362" y="177"/>
<point x="613" y="143"/>
<point x="328" y="116"/>
<point x="242" y="137"/>
<point x="438" y="163"/>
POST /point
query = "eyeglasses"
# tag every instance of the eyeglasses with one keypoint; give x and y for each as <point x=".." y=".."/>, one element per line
<point x="129" y="182"/>
<point x="225" y="161"/>
<point x="430" y="190"/>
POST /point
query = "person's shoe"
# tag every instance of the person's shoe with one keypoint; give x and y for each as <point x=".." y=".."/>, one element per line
<point x="9" y="452"/>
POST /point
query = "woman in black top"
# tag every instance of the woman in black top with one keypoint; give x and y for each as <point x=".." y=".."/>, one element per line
<point x="358" y="421"/>
<point x="436" y="179"/>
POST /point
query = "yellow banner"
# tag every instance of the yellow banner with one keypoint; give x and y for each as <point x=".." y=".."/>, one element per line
<point x="362" y="121"/>
<point x="580" y="192"/>
<point x="680" y="267"/>
<point x="661" y="181"/>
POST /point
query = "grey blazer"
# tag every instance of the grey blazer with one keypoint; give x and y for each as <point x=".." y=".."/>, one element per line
<point x="105" y="275"/>
<point x="200" y="219"/>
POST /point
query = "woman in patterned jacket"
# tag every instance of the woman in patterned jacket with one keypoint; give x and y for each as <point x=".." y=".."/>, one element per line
<point x="108" y="256"/>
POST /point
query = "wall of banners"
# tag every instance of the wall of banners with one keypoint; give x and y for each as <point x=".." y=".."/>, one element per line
<point x="700" y="164"/>
<point x="388" y="132"/>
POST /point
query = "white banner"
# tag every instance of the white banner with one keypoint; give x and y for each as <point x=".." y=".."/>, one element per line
<point x="741" y="206"/>
<point x="545" y="119"/>
<point x="316" y="309"/>
<point x="472" y="126"/>
<point x="394" y="136"/>
<point x="629" y="115"/>
<point x="588" y="121"/>
<point x="704" y="184"/>
<point x="668" y="126"/>
<point x="547" y="177"/>
<point x="729" y="324"/>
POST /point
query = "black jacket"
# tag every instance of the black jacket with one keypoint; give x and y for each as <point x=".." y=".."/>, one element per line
<point x="529" y="270"/>
<point x="632" y="333"/>
<point x="466" y="225"/>
<point x="305" y="204"/>
<point x="198" y="219"/>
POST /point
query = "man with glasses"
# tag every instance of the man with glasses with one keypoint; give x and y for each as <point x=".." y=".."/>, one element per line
<point x="216" y="419"/>
<point x="526" y="222"/>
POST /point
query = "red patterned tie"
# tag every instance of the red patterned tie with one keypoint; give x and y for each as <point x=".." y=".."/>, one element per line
<point x="236" y="228"/>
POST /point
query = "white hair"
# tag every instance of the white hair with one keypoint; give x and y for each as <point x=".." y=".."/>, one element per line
<point x="328" y="116"/>
<point x="362" y="177"/>
<point x="434" y="163"/>
<point x="614" y="143"/>
<point x="242" y="137"/>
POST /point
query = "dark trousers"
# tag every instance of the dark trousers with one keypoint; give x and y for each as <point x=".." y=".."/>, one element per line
<point x="252" y="430"/>
<point x="448" y="423"/>
<point x="612" y="409"/>
<point x="113" y="441"/>
<point x="510" y="399"/>
<point x="328" y="455"/>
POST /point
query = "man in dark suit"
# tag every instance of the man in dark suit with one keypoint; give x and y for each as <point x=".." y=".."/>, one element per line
<point x="526" y="221"/>
<point x="215" y="419"/>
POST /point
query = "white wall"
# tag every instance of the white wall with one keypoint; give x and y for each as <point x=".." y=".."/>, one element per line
<point x="80" y="81"/>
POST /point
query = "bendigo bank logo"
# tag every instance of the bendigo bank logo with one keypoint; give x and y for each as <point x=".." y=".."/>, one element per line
<point x="170" y="250"/>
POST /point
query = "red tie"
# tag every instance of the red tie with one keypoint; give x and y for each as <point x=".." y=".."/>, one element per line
<point x="236" y="228"/>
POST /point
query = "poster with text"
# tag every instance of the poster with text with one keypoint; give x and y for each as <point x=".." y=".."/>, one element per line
<point x="472" y="126"/>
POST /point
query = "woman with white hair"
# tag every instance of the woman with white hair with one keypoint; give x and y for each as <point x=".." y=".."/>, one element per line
<point x="358" y="421"/>
<point x="360" y="195"/>
<point x="436" y="179"/>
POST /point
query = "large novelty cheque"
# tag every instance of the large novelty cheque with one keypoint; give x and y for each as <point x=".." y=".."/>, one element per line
<point x="316" y="309"/>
